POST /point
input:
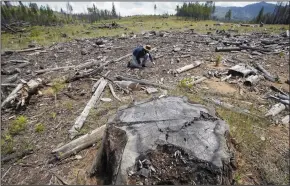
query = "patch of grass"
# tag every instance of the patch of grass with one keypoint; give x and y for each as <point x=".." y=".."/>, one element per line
<point x="39" y="127"/>
<point x="218" y="60"/>
<point x="68" y="105"/>
<point x="7" y="144"/>
<point x="58" y="85"/>
<point x="47" y="35"/>
<point x="192" y="96"/>
<point x="35" y="33"/>
<point x="18" y="125"/>
<point x="249" y="144"/>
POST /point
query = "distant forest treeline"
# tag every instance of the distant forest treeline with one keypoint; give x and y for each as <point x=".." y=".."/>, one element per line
<point x="205" y="11"/>
<point x="44" y="15"/>
<point x="279" y="16"/>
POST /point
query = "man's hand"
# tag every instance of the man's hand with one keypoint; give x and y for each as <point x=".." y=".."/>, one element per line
<point x="153" y="62"/>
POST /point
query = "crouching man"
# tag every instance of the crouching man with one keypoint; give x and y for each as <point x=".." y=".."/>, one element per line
<point x="140" y="57"/>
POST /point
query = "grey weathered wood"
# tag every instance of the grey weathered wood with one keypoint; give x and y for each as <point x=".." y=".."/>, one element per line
<point x="275" y="109"/>
<point x="267" y="75"/>
<point x="14" y="61"/>
<point x="11" y="79"/>
<point x="8" y="85"/>
<point x="14" y="69"/>
<point x="78" y="67"/>
<point x="113" y="92"/>
<point x="94" y="71"/>
<point x="285" y="120"/>
<point x="285" y="102"/>
<point x="95" y="86"/>
<point x="188" y="67"/>
<point x="255" y="48"/>
<point x="82" y="118"/>
<point x="79" y="144"/>
<point x="12" y="95"/>
<point x="199" y="80"/>
<point x="252" y="80"/>
<point x="227" y="49"/>
<point x="142" y="82"/>
<point x="26" y="50"/>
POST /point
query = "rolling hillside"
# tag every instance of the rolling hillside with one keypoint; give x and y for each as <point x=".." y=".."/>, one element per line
<point x="244" y="13"/>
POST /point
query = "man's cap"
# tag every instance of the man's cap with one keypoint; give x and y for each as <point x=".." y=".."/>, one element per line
<point x="147" y="47"/>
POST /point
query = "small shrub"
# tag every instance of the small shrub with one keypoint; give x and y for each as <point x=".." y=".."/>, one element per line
<point x="186" y="83"/>
<point x="281" y="54"/>
<point x="39" y="127"/>
<point x="18" y="125"/>
<point x="7" y="144"/>
<point x="218" y="60"/>
<point x="58" y="85"/>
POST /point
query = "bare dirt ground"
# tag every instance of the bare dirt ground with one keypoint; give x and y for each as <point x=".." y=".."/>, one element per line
<point x="58" y="115"/>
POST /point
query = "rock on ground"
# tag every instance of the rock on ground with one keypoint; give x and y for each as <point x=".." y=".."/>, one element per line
<point x="166" y="141"/>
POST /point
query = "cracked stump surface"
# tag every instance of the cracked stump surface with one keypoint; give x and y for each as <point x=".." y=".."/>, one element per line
<point x="164" y="141"/>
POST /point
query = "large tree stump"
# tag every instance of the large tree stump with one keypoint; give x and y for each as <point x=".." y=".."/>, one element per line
<point x="165" y="141"/>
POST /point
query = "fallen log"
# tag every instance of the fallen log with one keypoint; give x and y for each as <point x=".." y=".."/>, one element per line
<point x="24" y="50"/>
<point x="77" y="67"/>
<point x="268" y="42"/>
<point x="11" y="79"/>
<point x="8" y="85"/>
<point x="278" y="90"/>
<point x="184" y="56"/>
<point x="92" y="72"/>
<point x="113" y="92"/>
<point x="22" y="93"/>
<point x="14" y="61"/>
<point x="227" y="49"/>
<point x="275" y="109"/>
<point x="54" y="69"/>
<point x="15" y="69"/>
<point x="17" y="155"/>
<point x="199" y="80"/>
<point x="12" y="95"/>
<point x="142" y="82"/>
<point x="252" y="80"/>
<point x="188" y="67"/>
<point x="226" y="78"/>
<point x="79" y="144"/>
<point x="81" y="119"/>
<point x="267" y="75"/>
<point x="255" y="48"/>
<point x="242" y="70"/>
<point x="156" y="57"/>
<point x="232" y="43"/>
<point x="285" y="102"/>
<point x="285" y="97"/>
<point x="285" y="120"/>
<point x="95" y="86"/>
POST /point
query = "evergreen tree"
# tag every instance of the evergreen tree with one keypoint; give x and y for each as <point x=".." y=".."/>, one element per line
<point x="155" y="7"/>
<point x="228" y="15"/>
<point x="114" y="14"/>
<point x="260" y="15"/>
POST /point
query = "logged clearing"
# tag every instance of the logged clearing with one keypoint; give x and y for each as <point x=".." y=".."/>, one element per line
<point x="238" y="73"/>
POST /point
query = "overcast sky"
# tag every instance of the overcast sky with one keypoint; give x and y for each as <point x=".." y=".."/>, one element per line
<point x="131" y="8"/>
